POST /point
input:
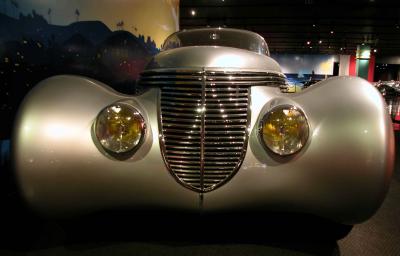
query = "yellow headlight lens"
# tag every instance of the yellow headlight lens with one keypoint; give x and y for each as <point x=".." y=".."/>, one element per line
<point x="119" y="128"/>
<point x="284" y="130"/>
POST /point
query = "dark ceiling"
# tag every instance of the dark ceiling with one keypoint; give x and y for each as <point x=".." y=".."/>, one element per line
<point x="304" y="26"/>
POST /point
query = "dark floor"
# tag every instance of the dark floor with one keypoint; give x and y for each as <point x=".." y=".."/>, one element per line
<point x="25" y="234"/>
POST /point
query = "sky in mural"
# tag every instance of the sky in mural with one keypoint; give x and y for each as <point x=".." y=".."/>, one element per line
<point x="155" y="18"/>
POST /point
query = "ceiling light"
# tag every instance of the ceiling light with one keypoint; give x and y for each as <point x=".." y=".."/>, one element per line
<point x="193" y="12"/>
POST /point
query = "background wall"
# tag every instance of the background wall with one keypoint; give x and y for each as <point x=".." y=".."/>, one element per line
<point x="108" y="40"/>
<point x="305" y="64"/>
<point x="387" y="68"/>
<point x="154" y="18"/>
<point x="302" y="67"/>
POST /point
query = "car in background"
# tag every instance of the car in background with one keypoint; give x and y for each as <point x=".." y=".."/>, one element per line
<point x="390" y="90"/>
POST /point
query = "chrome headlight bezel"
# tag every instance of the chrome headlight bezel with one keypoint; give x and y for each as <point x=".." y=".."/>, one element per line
<point x="264" y="119"/>
<point x="120" y="154"/>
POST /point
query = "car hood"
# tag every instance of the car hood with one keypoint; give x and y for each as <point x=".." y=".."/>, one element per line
<point x="211" y="57"/>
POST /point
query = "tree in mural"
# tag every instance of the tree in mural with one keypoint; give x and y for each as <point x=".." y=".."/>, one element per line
<point x="15" y="4"/>
<point x="49" y="14"/>
<point x="120" y="25"/>
<point x="77" y="14"/>
<point x="5" y="6"/>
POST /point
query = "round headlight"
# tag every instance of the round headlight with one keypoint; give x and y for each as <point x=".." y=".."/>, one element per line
<point x="284" y="130"/>
<point x="119" y="128"/>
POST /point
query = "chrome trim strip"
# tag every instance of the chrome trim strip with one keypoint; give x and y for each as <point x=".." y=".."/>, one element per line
<point x="272" y="78"/>
<point x="203" y="129"/>
<point x="226" y="132"/>
<point x="240" y="78"/>
<point x="169" y="83"/>
<point x="181" y="89"/>
<point x="227" y="83"/>
<point x="182" y="119"/>
<point x="180" y="131"/>
<point x="182" y="99"/>
<point x="182" y="94"/>
<point x="228" y="102"/>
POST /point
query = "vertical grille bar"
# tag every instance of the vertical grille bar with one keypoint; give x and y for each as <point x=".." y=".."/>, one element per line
<point x="204" y="120"/>
<point x="203" y="112"/>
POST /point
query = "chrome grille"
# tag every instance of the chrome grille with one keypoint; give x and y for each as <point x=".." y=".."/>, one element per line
<point x="204" y="120"/>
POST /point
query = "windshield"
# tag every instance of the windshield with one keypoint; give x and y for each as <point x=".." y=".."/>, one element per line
<point x="237" y="38"/>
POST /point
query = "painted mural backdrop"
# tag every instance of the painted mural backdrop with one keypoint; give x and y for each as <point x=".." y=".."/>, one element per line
<point x="305" y="64"/>
<point x="300" y="68"/>
<point x="109" y="40"/>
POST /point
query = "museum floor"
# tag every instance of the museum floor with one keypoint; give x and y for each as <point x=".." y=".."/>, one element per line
<point x="24" y="234"/>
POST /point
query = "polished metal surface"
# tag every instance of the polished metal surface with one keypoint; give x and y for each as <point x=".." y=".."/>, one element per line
<point x="342" y="172"/>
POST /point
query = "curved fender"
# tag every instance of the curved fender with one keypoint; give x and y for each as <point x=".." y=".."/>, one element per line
<point x="342" y="173"/>
<point x="60" y="169"/>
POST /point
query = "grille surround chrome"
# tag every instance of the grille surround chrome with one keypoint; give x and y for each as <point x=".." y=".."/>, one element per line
<point x="193" y="168"/>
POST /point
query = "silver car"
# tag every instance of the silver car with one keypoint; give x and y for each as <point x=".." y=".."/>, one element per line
<point x="208" y="131"/>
